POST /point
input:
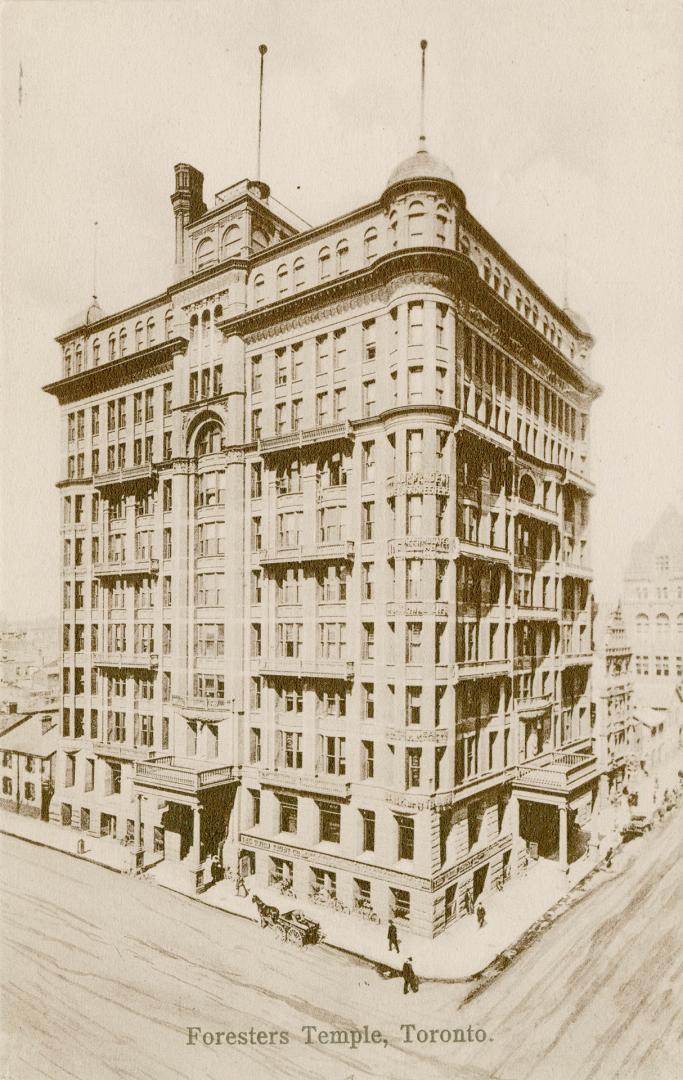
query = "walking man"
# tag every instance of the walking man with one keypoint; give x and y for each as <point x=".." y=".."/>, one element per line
<point x="409" y="977"/>
<point x="469" y="906"/>
<point x="392" y="936"/>
<point x="481" y="915"/>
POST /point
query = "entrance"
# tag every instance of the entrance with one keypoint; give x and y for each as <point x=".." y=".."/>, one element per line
<point x="108" y="825"/>
<point x="45" y="800"/>
<point x="479" y="880"/>
<point x="539" y="825"/>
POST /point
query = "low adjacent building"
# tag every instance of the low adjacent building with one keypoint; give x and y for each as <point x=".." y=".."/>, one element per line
<point x="28" y="749"/>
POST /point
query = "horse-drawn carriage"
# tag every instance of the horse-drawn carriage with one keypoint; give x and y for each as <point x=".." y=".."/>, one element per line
<point x="292" y="926"/>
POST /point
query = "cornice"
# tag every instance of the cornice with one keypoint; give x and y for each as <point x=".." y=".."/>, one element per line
<point x="424" y="266"/>
<point x="127" y="369"/>
<point x="90" y="329"/>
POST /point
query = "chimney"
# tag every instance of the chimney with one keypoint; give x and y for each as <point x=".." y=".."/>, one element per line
<point x="188" y="205"/>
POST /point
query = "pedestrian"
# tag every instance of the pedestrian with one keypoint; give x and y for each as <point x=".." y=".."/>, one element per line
<point x="392" y="936"/>
<point x="240" y="885"/>
<point x="481" y="915"/>
<point x="469" y="907"/>
<point x="409" y="977"/>
<point x="215" y="868"/>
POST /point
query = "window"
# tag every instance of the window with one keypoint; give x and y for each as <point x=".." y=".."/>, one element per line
<point x="416" y="220"/>
<point x="259" y="289"/>
<point x="369" y="397"/>
<point x="255" y="640"/>
<point x="342" y="257"/>
<point x="339" y="357"/>
<point x="406" y="836"/>
<point x="415" y="324"/>
<point x="413" y="704"/>
<point x="205" y="253"/>
<point x="367" y="520"/>
<point x="339" y="403"/>
<point x="368" y="461"/>
<point x="330" y="823"/>
<point x="367" y="580"/>
<point x="321" y="409"/>
<point x="324" y="263"/>
<point x="231" y="243"/>
<point x="414" y="515"/>
<point x="414" y="385"/>
<point x="368" y="641"/>
<point x="368" y="700"/>
<point x="288" y="813"/>
<point x="370" y="245"/>
<point x="368" y="830"/>
<point x="414" y="451"/>
<point x="282" y="280"/>
<point x="413" y="759"/>
<point x="413" y="642"/>
<point x="299" y="278"/>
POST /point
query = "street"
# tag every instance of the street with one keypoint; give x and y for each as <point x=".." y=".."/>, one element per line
<point x="104" y="975"/>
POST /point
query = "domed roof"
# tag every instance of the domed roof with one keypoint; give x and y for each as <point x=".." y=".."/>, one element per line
<point x="579" y="322"/>
<point x="421" y="166"/>
<point x="91" y="315"/>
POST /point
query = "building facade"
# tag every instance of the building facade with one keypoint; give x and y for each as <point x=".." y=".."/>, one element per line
<point x="28" y="749"/>
<point x="619" y="738"/>
<point x="327" y="585"/>
<point x="653" y="608"/>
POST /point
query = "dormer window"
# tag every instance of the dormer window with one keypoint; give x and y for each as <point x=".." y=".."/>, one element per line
<point x="324" y="264"/>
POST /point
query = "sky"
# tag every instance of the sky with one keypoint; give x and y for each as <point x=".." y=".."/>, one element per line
<point x="557" y="119"/>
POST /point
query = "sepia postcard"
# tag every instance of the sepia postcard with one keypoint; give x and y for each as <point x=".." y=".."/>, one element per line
<point x="341" y="622"/>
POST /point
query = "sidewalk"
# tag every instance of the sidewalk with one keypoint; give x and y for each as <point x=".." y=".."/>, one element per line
<point x="462" y="951"/>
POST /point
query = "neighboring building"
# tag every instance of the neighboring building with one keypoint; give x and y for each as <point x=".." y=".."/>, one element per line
<point x="326" y="554"/>
<point x="28" y="748"/>
<point x="653" y="606"/>
<point x="617" y="727"/>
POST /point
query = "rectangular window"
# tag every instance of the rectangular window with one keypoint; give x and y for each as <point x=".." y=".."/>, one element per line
<point x="406" y="837"/>
<point x="330" y="823"/>
<point x="368" y="461"/>
<point x="367" y="759"/>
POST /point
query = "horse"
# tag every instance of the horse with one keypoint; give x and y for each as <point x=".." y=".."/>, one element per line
<point x="268" y="914"/>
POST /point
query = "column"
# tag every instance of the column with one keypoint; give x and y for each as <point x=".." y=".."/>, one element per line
<point x="563" y="852"/>
<point x="138" y="850"/>
<point x="196" y="835"/>
<point x="514" y="830"/>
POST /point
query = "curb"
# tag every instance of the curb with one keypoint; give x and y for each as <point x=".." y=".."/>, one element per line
<point x="500" y="962"/>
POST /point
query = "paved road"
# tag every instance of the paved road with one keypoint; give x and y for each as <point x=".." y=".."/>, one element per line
<point x="103" y="975"/>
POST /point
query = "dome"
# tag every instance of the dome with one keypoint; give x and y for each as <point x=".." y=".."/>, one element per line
<point x="579" y="322"/>
<point x="421" y="166"/>
<point x="91" y="315"/>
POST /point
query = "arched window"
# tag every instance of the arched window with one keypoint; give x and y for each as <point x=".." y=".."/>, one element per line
<point x="393" y="231"/>
<point x="506" y="288"/>
<point x="342" y="257"/>
<point x="487" y="271"/>
<point x="496" y="279"/>
<point x="259" y="289"/>
<point x="209" y="439"/>
<point x="518" y="300"/>
<point x="572" y="349"/>
<point x="662" y="625"/>
<point x="559" y="339"/>
<point x="206" y="329"/>
<point x="217" y="312"/>
<point x="527" y="489"/>
<point x="138" y="335"/>
<point x="546" y="326"/>
<point x="194" y="323"/>
<point x="642" y="625"/>
<point x="441" y="224"/>
<point x="323" y="264"/>
<point x="151" y="330"/>
<point x="299" y="274"/>
<point x="112" y="346"/>
<point x="527" y="307"/>
<point x="534" y="315"/>
<point x="96" y="352"/>
<point x="552" y="333"/>
<point x="370" y="245"/>
<point x="168" y="324"/>
<point x="123" y="341"/>
<point x="465" y="245"/>
<point x="282" y="279"/>
<point x="67" y="362"/>
<point x="205" y="253"/>
<point x="79" y="358"/>
<point x="416" y="222"/>
<point x="231" y="243"/>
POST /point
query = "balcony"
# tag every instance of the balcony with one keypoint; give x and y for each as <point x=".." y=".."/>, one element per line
<point x="577" y="655"/>
<point x="469" y="492"/>
<point x="126" y="660"/>
<point x="117" y="751"/>
<point x="295" y="781"/>
<point x="169" y="774"/>
<point x="126" y="568"/>
<point x="311" y="436"/>
<point x="528" y="661"/>
<point x="534" y="706"/>
<point x="530" y="611"/>
<point x="316" y="668"/>
<point x="343" y="551"/>
<point x="557" y="772"/>
<point x="535" y="510"/>
<point x="571" y="567"/>
<point x="473" y="549"/>
<point x="136" y="474"/>
<point x="472" y="669"/>
<point x="203" y="708"/>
